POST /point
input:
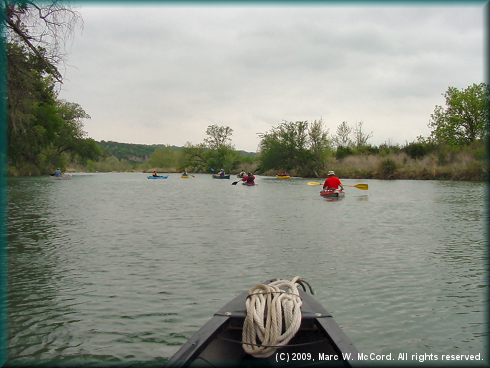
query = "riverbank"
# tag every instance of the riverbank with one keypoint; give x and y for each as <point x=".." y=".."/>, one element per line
<point x="400" y="166"/>
<point x="461" y="167"/>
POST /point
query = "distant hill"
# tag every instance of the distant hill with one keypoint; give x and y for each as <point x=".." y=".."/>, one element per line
<point x="139" y="152"/>
<point x="247" y="154"/>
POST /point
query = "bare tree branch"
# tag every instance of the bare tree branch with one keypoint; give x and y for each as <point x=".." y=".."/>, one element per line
<point x="45" y="30"/>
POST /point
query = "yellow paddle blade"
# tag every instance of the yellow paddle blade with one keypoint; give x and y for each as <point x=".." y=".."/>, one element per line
<point x="313" y="183"/>
<point x="358" y="186"/>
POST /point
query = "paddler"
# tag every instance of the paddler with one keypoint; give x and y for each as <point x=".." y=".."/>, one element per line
<point x="249" y="179"/>
<point x="332" y="182"/>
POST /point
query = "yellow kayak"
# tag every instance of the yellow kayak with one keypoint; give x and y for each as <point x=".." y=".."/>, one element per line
<point x="184" y="176"/>
<point x="282" y="176"/>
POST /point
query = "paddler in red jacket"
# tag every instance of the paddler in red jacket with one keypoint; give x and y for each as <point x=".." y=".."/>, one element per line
<point x="332" y="182"/>
<point x="249" y="178"/>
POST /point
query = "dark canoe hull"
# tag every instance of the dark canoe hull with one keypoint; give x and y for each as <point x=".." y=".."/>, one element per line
<point x="158" y="177"/>
<point x="220" y="177"/>
<point x="333" y="194"/>
<point x="319" y="341"/>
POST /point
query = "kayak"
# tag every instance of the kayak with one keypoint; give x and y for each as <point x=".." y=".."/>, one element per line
<point x="221" y="177"/>
<point x="240" y="176"/>
<point x="158" y="177"/>
<point x="248" y="184"/>
<point x="184" y="176"/>
<point x="318" y="339"/>
<point x="335" y="193"/>
<point x="282" y="176"/>
<point x="61" y="177"/>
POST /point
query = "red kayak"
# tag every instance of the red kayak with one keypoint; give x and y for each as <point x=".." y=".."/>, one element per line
<point x="249" y="184"/>
<point x="333" y="193"/>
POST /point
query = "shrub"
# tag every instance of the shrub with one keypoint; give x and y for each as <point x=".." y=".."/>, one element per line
<point x="387" y="166"/>
<point x="415" y="150"/>
<point x="343" y="152"/>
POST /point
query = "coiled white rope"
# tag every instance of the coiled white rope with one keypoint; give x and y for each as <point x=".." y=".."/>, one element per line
<point x="267" y="308"/>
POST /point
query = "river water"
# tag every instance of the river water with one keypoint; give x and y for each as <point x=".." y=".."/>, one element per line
<point x="115" y="269"/>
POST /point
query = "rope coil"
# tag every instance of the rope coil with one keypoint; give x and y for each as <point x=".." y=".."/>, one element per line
<point x="273" y="316"/>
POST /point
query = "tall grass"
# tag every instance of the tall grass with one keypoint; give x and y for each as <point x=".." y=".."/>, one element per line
<point x="457" y="166"/>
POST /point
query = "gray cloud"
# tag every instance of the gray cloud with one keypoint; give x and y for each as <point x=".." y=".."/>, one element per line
<point x="163" y="74"/>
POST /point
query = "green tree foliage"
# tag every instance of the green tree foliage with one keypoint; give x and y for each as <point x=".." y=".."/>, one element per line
<point x="415" y="150"/>
<point x="295" y="146"/>
<point x="167" y="157"/>
<point x="70" y="136"/>
<point x="352" y="141"/>
<point x="343" y="152"/>
<point x="320" y="146"/>
<point x="387" y="166"/>
<point x="198" y="158"/>
<point x="41" y="128"/>
<point x="130" y="151"/>
<point x="465" y="118"/>
<point x="218" y="137"/>
<point x="215" y="152"/>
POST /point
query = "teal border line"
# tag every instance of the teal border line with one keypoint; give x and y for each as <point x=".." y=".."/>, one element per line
<point x="282" y="2"/>
<point x="78" y="3"/>
<point x="3" y="196"/>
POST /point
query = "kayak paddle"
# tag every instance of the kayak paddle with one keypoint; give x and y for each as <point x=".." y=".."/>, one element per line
<point x="358" y="186"/>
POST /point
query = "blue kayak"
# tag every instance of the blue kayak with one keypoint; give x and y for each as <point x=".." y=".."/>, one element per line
<point x="158" y="177"/>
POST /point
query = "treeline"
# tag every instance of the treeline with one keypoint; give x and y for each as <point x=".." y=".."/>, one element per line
<point x="45" y="132"/>
<point x="130" y="151"/>
<point x="214" y="153"/>
<point x="455" y="149"/>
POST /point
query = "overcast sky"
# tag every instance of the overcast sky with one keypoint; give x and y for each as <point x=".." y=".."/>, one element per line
<point x="162" y="74"/>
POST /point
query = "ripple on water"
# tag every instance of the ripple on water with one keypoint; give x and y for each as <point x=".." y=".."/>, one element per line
<point x="127" y="269"/>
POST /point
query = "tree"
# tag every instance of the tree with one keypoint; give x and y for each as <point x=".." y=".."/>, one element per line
<point x="294" y="146"/>
<point x="166" y="157"/>
<point x="41" y="128"/>
<point x="218" y="137"/>
<point x="360" y="139"/>
<point x="465" y="118"/>
<point x="343" y="135"/>
<point x="69" y="136"/>
<point x="216" y="150"/>
<point x="197" y="157"/>
<point x="320" y="145"/>
<point x="43" y="30"/>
